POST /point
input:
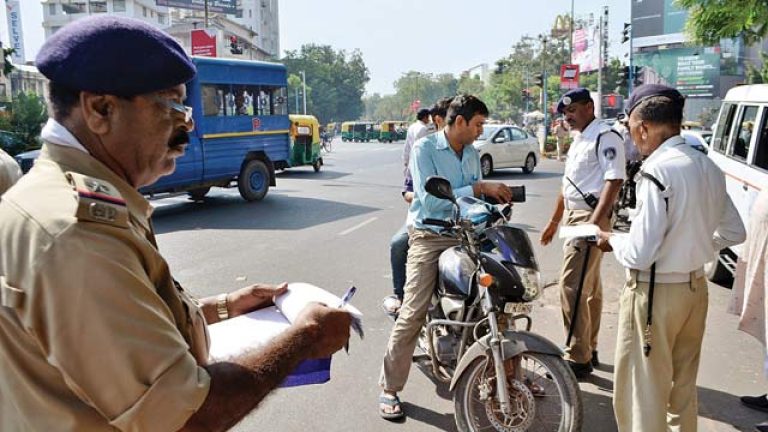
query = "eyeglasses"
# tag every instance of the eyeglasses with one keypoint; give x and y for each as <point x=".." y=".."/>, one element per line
<point x="175" y="106"/>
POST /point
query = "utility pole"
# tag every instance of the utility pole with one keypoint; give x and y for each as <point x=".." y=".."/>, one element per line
<point x="304" y="87"/>
<point x="544" y="104"/>
<point x="206" y="15"/>
<point x="600" y="63"/>
<point x="570" y="40"/>
<point x="297" y="99"/>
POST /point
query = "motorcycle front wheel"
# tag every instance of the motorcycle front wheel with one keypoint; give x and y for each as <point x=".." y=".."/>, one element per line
<point x="546" y="398"/>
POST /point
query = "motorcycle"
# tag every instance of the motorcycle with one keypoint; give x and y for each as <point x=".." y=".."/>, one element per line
<point x="502" y="378"/>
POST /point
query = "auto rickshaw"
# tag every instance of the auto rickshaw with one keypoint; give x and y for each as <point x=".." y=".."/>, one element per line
<point x="360" y="131"/>
<point x="402" y="130"/>
<point x="388" y="131"/>
<point x="305" y="141"/>
<point x="346" y="131"/>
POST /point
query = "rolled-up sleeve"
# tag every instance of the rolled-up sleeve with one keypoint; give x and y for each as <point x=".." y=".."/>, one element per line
<point x="99" y="320"/>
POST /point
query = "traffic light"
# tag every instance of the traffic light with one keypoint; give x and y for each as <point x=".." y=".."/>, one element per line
<point x="626" y="34"/>
<point x="538" y="80"/>
<point x="623" y="77"/>
<point x="234" y="47"/>
<point x="638" y="75"/>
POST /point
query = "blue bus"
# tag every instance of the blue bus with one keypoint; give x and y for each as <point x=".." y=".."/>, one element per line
<point x="241" y="131"/>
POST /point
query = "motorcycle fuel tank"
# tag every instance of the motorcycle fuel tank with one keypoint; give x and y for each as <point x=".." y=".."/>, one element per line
<point x="455" y="274"/>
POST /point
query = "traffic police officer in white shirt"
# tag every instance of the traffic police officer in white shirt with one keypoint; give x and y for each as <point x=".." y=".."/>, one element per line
<point x="594" y="172"/>
<point x="683" y="216"/>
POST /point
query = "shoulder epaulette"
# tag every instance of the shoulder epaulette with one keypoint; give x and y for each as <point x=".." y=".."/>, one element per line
<point x="98" y="201"/>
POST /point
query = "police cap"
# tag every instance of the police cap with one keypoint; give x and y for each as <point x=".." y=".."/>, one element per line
<point x="114" y="55"/>
<point x="576" y="95"/>
<point x="646" y="91"/>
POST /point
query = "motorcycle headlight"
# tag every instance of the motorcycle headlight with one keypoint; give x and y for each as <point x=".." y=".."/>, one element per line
<point x="531" y="281"/>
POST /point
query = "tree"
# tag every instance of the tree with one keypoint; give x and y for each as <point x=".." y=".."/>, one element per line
<point x="712" y="20"/>
<point x="337" y="80"/>
<point x="27" y="116"/>
<point x="7" y="65"/>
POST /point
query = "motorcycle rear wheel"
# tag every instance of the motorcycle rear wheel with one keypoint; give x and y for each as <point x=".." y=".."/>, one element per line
<point x="548" y="398"/>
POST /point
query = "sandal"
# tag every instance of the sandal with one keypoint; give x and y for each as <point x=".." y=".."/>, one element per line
<point x="393" y="402"/>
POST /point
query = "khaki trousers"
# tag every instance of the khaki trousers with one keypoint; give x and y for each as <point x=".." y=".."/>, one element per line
<point x="658" y="392"/>
<point x="584" y="339"/>
<point x="424" y="251"/>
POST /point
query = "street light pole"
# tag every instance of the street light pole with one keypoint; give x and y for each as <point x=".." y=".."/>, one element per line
<point x="570" y="40"/>
<point x="304" y="86"/>
<point x="206" y="14"/>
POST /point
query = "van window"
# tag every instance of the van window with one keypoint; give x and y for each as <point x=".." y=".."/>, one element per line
<point x="724" y="124"/>
<point x="243" y="100"/>
<point x="744" y="131"/>
<point x="761" y="152"/>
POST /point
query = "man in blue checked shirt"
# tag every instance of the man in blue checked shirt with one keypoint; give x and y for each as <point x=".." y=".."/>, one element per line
<point x="450" y="154"/>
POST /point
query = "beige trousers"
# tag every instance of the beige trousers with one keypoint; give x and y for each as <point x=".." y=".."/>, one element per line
<point x="584" y="339"/>
<point x="658" y="392"/>
<point x="424" y="251"/>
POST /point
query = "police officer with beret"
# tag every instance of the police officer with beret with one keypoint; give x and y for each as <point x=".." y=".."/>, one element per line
<point x="95" y="334"/>
<point x="683" y="216"/>
<point x="594" y="172"/>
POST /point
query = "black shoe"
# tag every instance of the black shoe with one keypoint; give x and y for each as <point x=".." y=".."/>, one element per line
<point x="762" y="427"/>
<point x="755" y="402"/>
<point x="595" y="361"/>
<point x="581" y="370"/>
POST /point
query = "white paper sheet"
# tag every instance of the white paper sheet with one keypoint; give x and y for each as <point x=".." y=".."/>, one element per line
<point x="234" y="336"/>
<point x="583" y="231"/>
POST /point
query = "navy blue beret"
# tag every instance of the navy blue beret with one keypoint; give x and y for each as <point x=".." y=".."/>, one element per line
<point x="646" y="91"/>
<point x="576" y="95"/>
<point x="114" y="55"/>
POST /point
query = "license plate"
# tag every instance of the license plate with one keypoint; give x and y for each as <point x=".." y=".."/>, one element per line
<point x="518" y="308"/>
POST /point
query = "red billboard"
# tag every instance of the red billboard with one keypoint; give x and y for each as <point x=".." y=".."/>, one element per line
<point x="204" y="43"/>
<point x="569" y="76"/>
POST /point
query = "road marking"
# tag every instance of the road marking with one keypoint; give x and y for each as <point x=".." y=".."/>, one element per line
<point x="358" y="226"/>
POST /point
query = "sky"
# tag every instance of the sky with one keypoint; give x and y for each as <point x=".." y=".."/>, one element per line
<point x="397" y="36"/>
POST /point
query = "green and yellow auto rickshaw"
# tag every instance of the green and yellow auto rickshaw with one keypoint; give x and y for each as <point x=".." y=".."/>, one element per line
<point x="360" y="131"/>
<point x="346" y="131"/>
<point x="388" y="131"/>
<point x="305" y="141"/>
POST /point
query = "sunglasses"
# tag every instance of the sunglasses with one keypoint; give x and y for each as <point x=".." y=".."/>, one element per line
<point x="175" y="106"/>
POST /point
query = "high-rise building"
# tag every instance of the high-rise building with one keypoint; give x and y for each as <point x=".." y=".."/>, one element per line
<point x="57" y="13"/>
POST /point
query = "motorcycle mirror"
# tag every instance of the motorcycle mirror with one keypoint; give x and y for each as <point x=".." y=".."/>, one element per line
<point x="440" y="187"/>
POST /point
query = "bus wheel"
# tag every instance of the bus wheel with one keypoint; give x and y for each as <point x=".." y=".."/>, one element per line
<point x="253" y="182"/>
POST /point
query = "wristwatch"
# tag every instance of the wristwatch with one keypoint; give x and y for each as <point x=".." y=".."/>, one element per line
<point x="221" y="306"/>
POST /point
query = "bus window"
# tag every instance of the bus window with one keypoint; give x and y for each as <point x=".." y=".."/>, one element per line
<point x="211" y="100"/>
<point x="279" y="105"/>
<point x="746" y="127"/>
<point x="724" y="123"/>
<point x="761" y="152"/>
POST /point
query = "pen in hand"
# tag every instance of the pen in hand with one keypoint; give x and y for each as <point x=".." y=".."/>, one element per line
<point x="344" y="300"/>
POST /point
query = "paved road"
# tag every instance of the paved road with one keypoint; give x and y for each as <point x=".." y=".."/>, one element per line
<point x="333" y="228"/>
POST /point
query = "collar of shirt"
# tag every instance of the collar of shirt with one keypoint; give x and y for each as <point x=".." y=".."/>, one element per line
<point x="659" y="152"/>
<point x="55" y="133"/>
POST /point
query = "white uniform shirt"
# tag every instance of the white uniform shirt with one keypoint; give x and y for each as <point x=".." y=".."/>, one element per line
<point x="589" y="167"/>
<point x="701" y="218"/>
<point x="415" y="132"/>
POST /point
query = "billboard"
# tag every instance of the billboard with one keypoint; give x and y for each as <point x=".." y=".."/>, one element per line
<point x="204" y="42"/>
<point x="657" y="22"/>
<point x="228" y="7"/>
<point x="694" y="72"/>
<point x="586" y="48"/>
<point x="15" y="32"/>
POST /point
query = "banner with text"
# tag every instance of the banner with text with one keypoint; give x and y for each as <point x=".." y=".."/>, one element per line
<point x="15" y="32"/>
<point x="204" y="42"/>
<point x="228" y="7"/>
<point x="695" y="72"/>
<point x="586" y="48"/>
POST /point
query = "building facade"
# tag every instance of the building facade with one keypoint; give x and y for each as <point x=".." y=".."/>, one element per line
<point x="57" y="13"/>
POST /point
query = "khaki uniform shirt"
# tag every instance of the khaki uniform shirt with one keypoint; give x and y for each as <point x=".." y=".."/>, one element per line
<point x="95" y="334"/>
<point x="10" y="172"/>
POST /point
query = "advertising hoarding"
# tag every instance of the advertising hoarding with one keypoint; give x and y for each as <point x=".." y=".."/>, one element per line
<point x="695" y="72"/>
<point x="657" y="22"/>
<point x="15" y="32"/>
<point x="586" y="48"/>
<point x="228" y="7"/>
<point x="204" y="42"/>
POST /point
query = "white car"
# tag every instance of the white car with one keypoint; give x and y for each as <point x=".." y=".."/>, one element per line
<point x="698" y="139"/>
<point x="506" y="146"/>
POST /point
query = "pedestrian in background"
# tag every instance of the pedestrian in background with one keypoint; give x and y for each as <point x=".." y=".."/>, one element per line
<point x="95" y="333"/>
<point x="593" y="175"/>
<point x="685" y="217"/>
<point x="10" y="172"/>
<point x="749" y="299"/>
<point x="561" y="133"/>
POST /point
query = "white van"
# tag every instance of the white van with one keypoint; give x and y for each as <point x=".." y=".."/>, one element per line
<point x="739" y="146"/>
